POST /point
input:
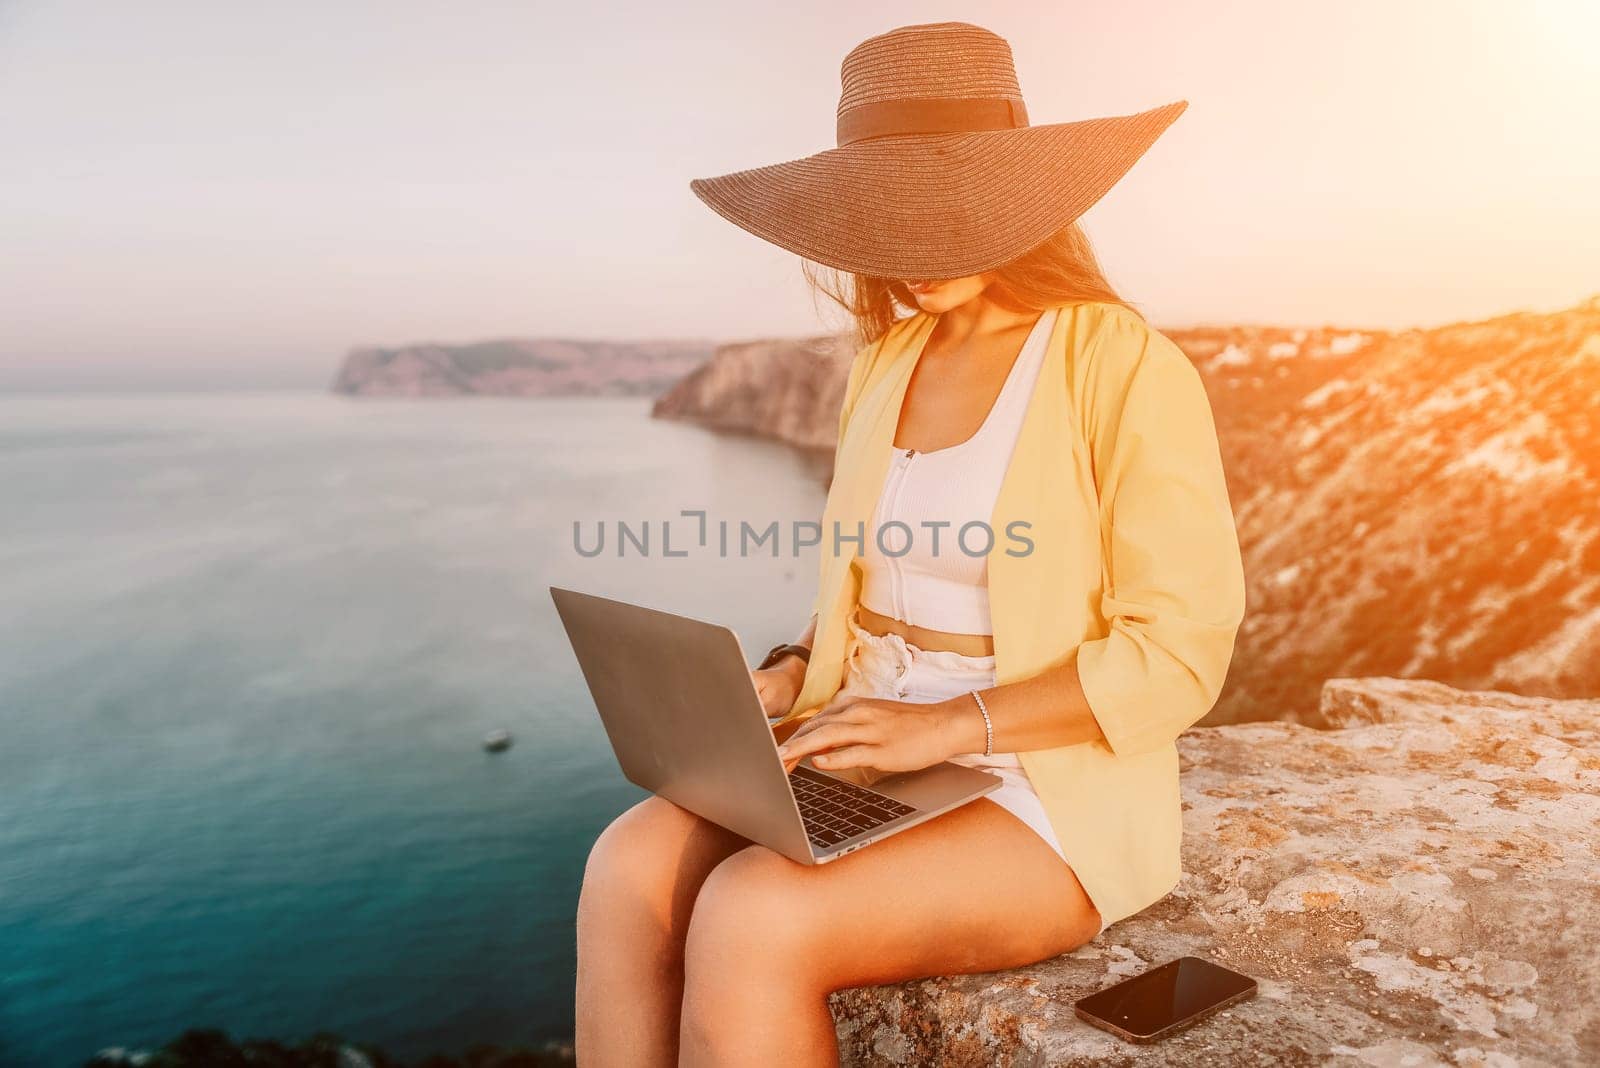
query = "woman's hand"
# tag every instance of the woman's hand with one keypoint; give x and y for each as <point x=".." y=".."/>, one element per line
<point x="779" y="685"/>
<point x="870" y="732"/>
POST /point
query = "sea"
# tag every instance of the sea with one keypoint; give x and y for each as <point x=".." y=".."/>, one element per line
<point x="250" y="647"/>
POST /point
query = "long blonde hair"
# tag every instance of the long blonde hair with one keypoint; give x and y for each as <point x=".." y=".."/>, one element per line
<point x="1061" y="270"/>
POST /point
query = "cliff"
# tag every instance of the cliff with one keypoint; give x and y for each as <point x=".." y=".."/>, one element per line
<point x="1424" y="506"/>
<point x="520" y="368"/>
<point x="789" y="390"/>
<point x="1416" y="886"/>
<point x="1419" y="504"/>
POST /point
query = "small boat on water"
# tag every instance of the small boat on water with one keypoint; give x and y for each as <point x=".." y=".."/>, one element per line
<point x="497" y="740"/>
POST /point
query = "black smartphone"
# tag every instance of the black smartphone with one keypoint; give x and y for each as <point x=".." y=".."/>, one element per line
<point x="1162" y="1000"/>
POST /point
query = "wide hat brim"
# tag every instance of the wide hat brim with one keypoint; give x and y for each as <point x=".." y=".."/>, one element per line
<point x="931" y="206"/>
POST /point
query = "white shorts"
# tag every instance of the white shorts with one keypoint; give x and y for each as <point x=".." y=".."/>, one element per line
<point x="889" y="666"/>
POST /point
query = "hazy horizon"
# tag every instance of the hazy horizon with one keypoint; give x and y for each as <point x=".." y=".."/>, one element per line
<point x="198" y="196"/>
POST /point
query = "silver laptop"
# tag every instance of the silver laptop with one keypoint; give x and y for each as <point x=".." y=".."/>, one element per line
<point x="683" y="716"/>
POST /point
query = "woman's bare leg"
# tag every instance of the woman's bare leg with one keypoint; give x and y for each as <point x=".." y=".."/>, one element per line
<point x="638" y="891"/>
<point x="974" y="890"/>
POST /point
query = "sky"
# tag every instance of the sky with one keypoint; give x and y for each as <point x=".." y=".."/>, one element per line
<point x="218" y="194"/>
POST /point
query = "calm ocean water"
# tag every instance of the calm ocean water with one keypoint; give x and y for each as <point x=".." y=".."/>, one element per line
<point x="249" y="646"/>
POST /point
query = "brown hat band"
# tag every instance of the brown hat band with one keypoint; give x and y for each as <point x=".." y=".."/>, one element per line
<point x="927" y="115"/>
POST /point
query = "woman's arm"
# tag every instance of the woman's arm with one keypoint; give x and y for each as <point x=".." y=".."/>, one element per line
<point x="1174" y="599"/>
<point x="779" y="685"/>
<point x="1043" y="711"/>
<point x="1175" y="594"/>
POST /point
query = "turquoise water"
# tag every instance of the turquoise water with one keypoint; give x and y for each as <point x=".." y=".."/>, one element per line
<point x="249" y="645"/>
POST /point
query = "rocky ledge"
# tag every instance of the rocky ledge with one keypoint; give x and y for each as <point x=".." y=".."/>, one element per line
<point x="1417" y="883"/>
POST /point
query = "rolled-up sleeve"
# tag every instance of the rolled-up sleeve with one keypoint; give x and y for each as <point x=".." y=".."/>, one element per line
<point x="1174" y="592"/>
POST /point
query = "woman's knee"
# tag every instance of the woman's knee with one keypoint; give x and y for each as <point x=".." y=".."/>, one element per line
<point x="748" y="957"/>
<point x="636" y="862"/>
<point x="752" y="915"/>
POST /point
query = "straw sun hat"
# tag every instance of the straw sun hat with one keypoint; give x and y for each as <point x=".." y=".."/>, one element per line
<point x="937" y="173"/>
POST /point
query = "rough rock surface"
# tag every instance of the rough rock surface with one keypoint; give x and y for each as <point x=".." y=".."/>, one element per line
<point x="1418" y="886"/>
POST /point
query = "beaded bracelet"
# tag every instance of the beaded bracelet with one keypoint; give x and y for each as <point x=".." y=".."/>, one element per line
<point x="988" y="724"/>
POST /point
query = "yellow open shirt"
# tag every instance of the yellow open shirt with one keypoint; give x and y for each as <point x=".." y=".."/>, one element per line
<point x="1135" y="564"/>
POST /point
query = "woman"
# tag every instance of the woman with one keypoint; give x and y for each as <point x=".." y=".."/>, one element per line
<point x="1080" y="614"/>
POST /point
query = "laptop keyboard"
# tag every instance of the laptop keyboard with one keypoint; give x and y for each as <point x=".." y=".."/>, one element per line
<point x="834" y="810"/>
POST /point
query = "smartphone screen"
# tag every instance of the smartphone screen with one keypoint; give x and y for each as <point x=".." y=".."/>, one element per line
<point x="1164" y="999"/>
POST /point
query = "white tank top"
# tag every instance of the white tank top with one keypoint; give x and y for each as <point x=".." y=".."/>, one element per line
<point x="926" y="557"/>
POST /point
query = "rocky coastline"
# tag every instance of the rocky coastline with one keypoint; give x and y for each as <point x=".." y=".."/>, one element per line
<point x="547" y="367"/>
<point x="1389" y="817"/>
<point x="788" y="390"/>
